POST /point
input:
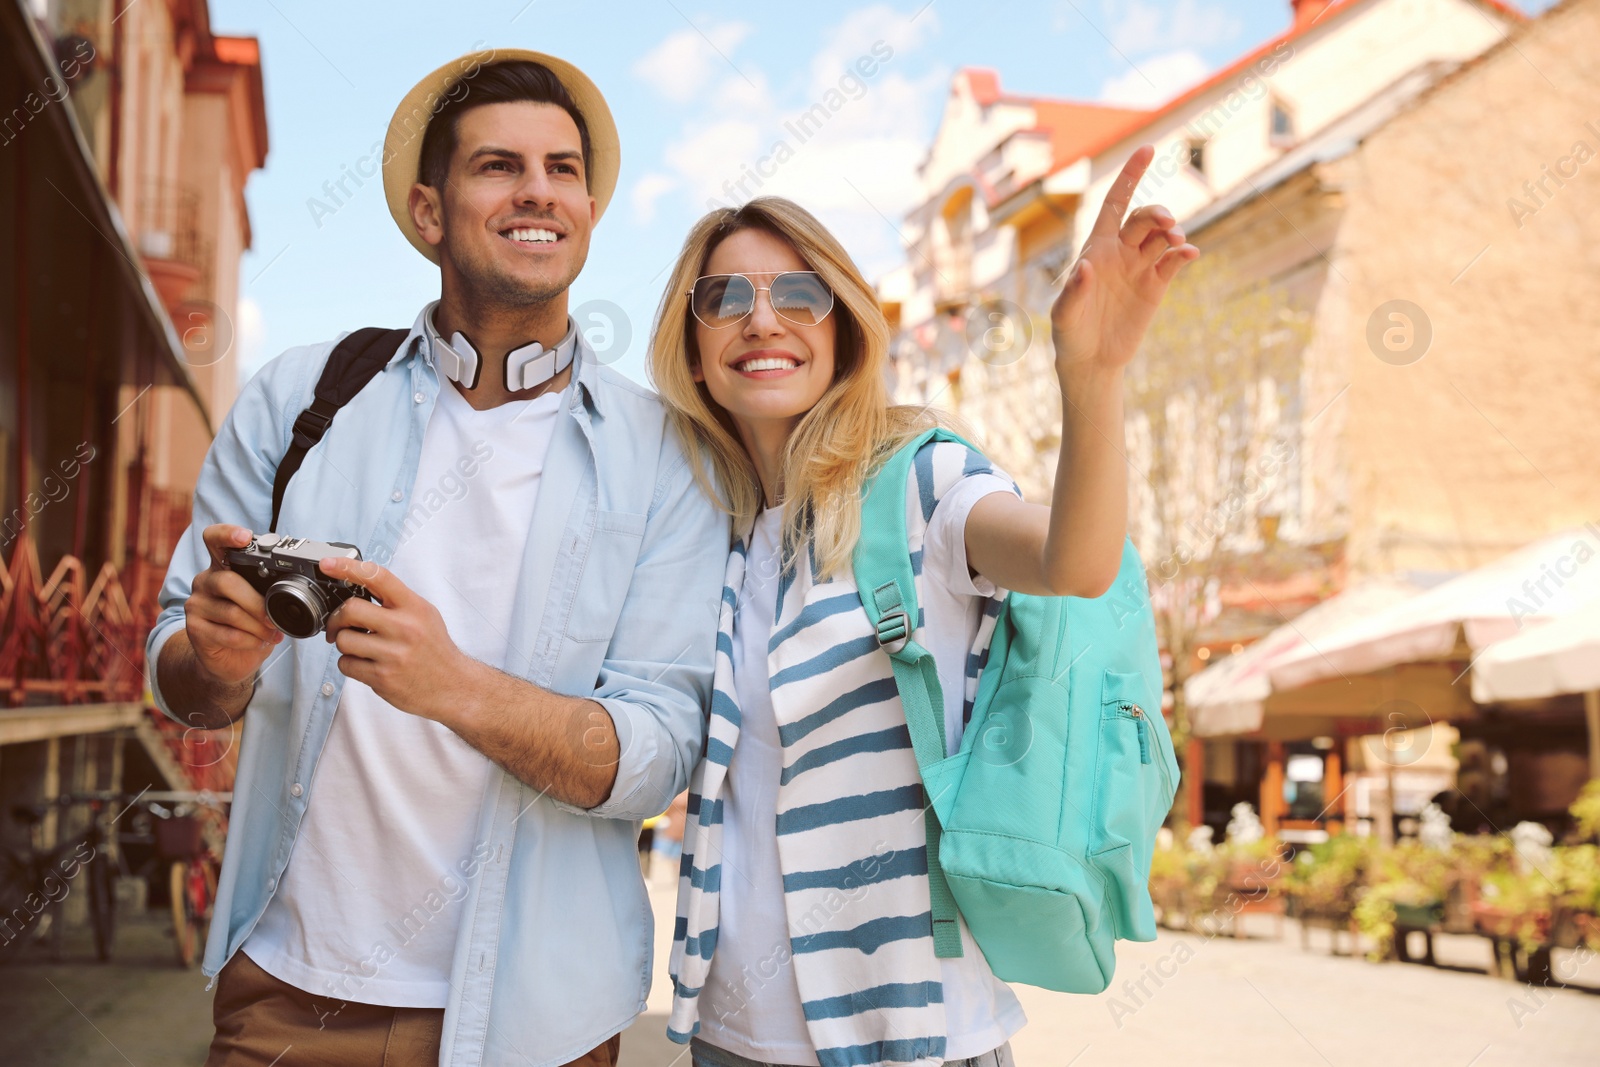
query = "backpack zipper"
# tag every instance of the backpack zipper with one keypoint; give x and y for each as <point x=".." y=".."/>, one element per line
<point x="1130" y="708"/>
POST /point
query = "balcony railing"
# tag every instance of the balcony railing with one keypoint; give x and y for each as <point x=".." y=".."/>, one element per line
<point x="953" y="275"/>
<point x="175" y="250"/>
<point x="65" y="640"/>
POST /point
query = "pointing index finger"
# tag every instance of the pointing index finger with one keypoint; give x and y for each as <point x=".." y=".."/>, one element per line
<point x="1117" y="200"/>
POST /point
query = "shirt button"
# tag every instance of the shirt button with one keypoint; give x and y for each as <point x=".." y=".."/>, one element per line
<point x="295" y="790"/>
<point x="397" y="496"/>
<point x="272" y="883"/>
<point x="327" y="689"/>
<point x="419" y="397"/>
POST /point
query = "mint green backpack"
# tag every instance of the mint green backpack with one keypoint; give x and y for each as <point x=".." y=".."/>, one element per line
<point x="1041" y="828"/>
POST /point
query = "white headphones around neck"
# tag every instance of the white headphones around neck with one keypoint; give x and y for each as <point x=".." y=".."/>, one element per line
<point x="526" y="367"/>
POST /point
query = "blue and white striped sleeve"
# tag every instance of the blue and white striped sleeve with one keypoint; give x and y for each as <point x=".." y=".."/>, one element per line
<point x="949" y="478"/>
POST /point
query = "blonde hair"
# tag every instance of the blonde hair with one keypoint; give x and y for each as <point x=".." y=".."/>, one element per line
<point x="837" y="445"/>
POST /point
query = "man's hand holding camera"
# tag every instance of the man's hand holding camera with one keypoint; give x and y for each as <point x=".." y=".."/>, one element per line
<point x="208" y="670"/>
<point x="260" y="589"/>
<point x="561" y="745"/>
<point x="236" y="617"/>
<point x="400" y="648"/>
<point x="226" y="618"/>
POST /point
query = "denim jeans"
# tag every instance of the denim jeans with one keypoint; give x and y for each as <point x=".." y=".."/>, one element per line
<point x="704" y="1055"/>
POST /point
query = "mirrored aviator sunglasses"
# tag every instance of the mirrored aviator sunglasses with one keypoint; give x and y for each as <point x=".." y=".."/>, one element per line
<point x="722" y="300"/>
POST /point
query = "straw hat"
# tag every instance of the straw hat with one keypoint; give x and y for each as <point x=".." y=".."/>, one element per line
<point x="402" y="146"/>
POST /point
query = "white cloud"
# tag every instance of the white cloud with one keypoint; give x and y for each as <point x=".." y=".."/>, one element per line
<point x="745" y="90"/>
<point x="646" y="191"/>
<point x="1139" y="28"/>
<point x="853" y="164"/>
<point x="686" y="61"/>
<point x="710" y="155"/>
<point x="878" y="27"/>
<point x="872" y="178"/>
<point x="1156" y="80"/>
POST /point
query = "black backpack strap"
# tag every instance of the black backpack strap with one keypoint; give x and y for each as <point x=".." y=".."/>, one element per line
<point x="355" y="361"/>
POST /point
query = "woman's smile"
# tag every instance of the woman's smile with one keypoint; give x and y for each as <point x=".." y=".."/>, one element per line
<point x="764" y="364"/>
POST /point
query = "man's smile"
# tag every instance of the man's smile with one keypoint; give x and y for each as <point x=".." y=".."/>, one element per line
<point x="529" y="237"/>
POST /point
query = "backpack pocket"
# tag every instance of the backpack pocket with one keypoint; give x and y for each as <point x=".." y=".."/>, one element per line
<point x="1032" y="908"/>
<point x="1128" y="770"/>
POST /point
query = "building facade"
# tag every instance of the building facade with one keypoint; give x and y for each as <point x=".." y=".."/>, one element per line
<point x="1402" y="187"/>
<point x="1012" y="184"/>
<point x="127" y="132"/>
<point x="1450" y="259"/>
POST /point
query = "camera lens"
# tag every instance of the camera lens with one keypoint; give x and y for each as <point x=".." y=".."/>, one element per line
<point x="296" y="606"/>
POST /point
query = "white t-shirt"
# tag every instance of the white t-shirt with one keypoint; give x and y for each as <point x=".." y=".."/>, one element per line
<point x="368" y="907"/>
<point x="762" y="1020"/>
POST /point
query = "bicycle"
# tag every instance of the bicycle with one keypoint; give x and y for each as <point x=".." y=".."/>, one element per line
<point x="191" y="874"/>
<point x="35" y="883"/>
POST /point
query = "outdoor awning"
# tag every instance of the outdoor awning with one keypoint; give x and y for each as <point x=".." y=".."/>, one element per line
<point x="1230" y="696"/>
<point x="64" y="189"/>
<point x="1546" y="660"/>
<point x="1548" y="579"/>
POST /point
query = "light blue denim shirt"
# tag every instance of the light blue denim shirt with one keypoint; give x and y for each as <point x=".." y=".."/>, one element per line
<point x="619" y="588"/>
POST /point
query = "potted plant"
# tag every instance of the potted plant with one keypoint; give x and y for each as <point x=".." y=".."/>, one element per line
<point x="1577" y="912"/>
<point x="1586" y="811"/>
<point x="1515" y="907"/>
<point x="1404" y="887"/>
<point x="1324" y="880"/>
<point x="1254" y="869"/>
<point x="1471" y="858"/>
<point x="1204" y="871"/>
<point x="1169" y="877"/>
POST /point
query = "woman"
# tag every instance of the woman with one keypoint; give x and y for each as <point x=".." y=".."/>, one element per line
<point x="803" y="932"/>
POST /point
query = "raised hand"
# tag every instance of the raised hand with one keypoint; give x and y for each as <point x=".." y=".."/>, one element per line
<point x="1114" y="288"/>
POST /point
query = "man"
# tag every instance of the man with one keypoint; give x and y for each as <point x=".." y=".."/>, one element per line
<point x="431" y="854"/>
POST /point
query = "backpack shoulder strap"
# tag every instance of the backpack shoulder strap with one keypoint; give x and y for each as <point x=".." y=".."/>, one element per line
<point x="354" y="362"/>
<point x="887" y="585"/>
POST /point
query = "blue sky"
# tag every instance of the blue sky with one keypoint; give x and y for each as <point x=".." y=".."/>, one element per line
<point x="698" y="91"/>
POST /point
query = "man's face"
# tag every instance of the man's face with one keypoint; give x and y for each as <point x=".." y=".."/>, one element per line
<point x="513" y="220"/>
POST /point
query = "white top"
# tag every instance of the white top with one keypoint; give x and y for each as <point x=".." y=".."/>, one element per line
<point x="368" y="906"/>
<point x="751" y="1004"/>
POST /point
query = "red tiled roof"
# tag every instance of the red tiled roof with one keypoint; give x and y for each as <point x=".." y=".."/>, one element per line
<point x="1078" y="130"/>
<point x="985" y="84"/>
<point x="1075" y="127"/>
<point x="1334" y="9"/>
<point x="243" y="51"/>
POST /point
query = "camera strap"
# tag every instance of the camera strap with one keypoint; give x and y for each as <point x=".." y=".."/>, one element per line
<point x="355" y="361"/>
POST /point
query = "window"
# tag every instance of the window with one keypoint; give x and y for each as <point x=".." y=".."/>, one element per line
<point x="1282" y="124"/>
<point x="1197" y="155"/>
<point x="953" y="255"/>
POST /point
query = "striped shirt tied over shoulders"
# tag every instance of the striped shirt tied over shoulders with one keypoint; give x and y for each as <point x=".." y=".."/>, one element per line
<point x="849" y="814"/>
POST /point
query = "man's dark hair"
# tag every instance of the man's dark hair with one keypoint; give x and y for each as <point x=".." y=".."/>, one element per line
<point x="497" y="83"/>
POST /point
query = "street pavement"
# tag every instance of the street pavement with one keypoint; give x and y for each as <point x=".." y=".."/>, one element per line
<point x="1182" y="999"/>
<point x="1199" y="1001"/>
<point x="139" y="1009"/>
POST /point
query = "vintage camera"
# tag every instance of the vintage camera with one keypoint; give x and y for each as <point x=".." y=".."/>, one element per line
<point x="284" y="571"/>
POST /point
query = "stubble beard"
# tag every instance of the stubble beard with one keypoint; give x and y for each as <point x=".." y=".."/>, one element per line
<point x="488" y="284"/>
